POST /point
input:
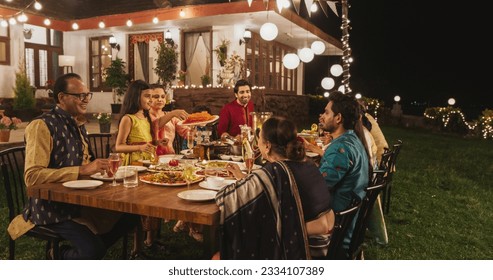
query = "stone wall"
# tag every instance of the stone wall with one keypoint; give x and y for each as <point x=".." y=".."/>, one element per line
<point x="294" y="107"/>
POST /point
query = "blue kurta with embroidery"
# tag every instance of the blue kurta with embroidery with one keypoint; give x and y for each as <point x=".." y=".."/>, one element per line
<point x="344" y="166"/>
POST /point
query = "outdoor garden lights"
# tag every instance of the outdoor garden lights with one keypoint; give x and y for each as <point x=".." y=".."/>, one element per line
<point x="451" y="101"/>
<point x="113" y="43"/>
<point x="397" y="98"/>
<point x="328" y="83"/>
<point x="291" y="61"/>
<point x="336" y="70"/>
<point x="167" y="37"/>
<point x="306" y="55"/>
<point x="318" y="47"/>
<point x="268" y="31"/>
<point x="247" y="35"/>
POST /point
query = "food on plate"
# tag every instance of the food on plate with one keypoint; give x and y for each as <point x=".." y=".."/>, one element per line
<point x="173" y="162"/>
<point x="166" y="177"/>
<point x="198" y="117"/>
<point x="166" y="167"/>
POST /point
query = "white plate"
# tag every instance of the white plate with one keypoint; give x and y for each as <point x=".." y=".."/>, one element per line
<point x="204" y="185"/>
<point x="214" y="118"/>
<point x="119" y="175"/>
<point x="197" y="195"/>
<point x="243" y="166"/>
<point x="83" y="184"/>
<point x="186" y="152"/>
<point x="311" y="154"/>
<point x="138" y="167"/>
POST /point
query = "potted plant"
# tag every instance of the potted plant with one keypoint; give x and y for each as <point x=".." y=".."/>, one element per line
<point x="221" y="51"/>
<point x="166" y="64"/>
<point x="181" y="77"/>
<point x="117" y="79"/>
<point x="6" y="125"/>
<point x="24" y="102"/>
<point x="104" y="120"/>
<point x="206" y="80"/>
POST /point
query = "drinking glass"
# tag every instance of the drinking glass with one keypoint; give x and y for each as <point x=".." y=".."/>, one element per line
<point x="130" y="180"/>
<point x="190" y="138"/>
<point x="248" y="163"/>
<point x="188" y="172"/>
<point x="115" y="161"/>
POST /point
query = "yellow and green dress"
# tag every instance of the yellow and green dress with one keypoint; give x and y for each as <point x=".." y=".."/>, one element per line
<point x="140" y="133"/>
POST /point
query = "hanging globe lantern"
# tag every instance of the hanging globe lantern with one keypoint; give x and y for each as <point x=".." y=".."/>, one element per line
<point x="342" y="89"/>
<point x="328" y="83"/>
<point x="306" y="55"/>
<point x="268" y="31"/>
<point x="291" y="61"/>
<point x="451" y="101"/>
<point x="397" y="98"/>
<point x="336" y="70"/>
<point x="318" y="47"/>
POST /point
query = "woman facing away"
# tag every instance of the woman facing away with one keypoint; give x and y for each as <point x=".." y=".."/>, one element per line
<point x="271" y="213"/>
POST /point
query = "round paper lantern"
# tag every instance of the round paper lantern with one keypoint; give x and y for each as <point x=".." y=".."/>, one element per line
<point x="291" y="61"/>
<point x="336" y="70"/>
<point x="318" y="47"/>
<point x="328" y="83"/>
<point x="326" y="94"/>
<point x="397" y="98"/>
<point x="342" y="89"/>
<point x="358" y="96"/>
<point x="268" y="31"/>
<point x="306" y="55"/>
<point x="451" y="101"/>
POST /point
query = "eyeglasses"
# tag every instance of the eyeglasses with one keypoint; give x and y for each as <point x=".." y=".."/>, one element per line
<point x="81" y="96"/>
<point x="157" y="96"/>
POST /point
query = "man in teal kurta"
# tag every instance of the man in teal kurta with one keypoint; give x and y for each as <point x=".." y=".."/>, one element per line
<point x="344" y="164"/>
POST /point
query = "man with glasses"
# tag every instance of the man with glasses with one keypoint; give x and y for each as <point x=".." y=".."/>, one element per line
<point x="57" y="150"/>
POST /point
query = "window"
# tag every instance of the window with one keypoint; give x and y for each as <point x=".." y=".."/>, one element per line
<point x="263" y="61"/>
<point x="142" y="56"/>
<point x="197" y="55"/>
<point x="5" y="45"/>
<point x="100" y="59"/>
<point x="41" y="54"/>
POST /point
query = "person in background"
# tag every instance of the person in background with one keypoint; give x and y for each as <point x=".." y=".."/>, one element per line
<point x="237" y="112"/>
<point x="57" y="150"/>
<point x="376" y="132"/>
<point x="165" y="123"/>
<point x="345" y="163"/>
<point x="271" y="213"/>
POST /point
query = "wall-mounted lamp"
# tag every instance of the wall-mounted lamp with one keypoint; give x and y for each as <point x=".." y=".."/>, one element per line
<point x="167" y="37"/>
<point x="114" y="44"/>
<point x="247" y="35"/>
<point x="67" y="62"/>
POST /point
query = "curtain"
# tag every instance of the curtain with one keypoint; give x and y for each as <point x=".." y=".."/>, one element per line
<point x="191" y="40"/>
<point x="143" y="48"/>
<point x="206" y="38"/>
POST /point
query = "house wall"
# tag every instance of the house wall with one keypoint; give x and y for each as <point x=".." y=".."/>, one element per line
<point x="76" y="43"/>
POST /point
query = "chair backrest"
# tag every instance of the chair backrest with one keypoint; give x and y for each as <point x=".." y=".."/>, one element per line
<point x="343" y="220"/>
<point x="12" y="174"/>
<point x="395" y="152"/>
<point x="100" y="144"/>
<point x="362" y="219"/>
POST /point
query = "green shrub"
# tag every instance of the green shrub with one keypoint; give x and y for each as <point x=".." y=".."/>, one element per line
<point x="24" y="92"/>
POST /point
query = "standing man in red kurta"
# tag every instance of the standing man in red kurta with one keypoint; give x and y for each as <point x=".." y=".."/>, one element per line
<point x="237" y="112"/>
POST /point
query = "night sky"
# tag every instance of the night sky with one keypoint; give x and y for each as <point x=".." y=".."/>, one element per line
<point x="423" y="51"/>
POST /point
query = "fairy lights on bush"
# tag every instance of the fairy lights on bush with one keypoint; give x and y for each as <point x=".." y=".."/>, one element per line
<point x="443" y="116"/>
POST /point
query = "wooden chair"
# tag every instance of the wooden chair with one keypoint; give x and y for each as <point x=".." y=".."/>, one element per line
<point x="359" y="232"/>
<point x="391" y="163"/>
<point x="343" y="219"/>
<point x="12" y="174"/>
<point x="100" y="144"/>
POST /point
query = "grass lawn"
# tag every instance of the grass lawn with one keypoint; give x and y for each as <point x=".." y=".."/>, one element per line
<point x="440" y="208"/>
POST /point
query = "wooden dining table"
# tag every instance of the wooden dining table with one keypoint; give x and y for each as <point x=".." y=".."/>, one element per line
<point x="145" y="199"/>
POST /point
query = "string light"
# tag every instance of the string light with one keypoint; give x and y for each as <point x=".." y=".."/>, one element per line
<point x="155" y="20"/>
<point x="47" y="22"/>
<point x="101" y="24"/>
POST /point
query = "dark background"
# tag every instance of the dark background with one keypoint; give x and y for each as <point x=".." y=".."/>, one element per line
<point x="424" y="51"/>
